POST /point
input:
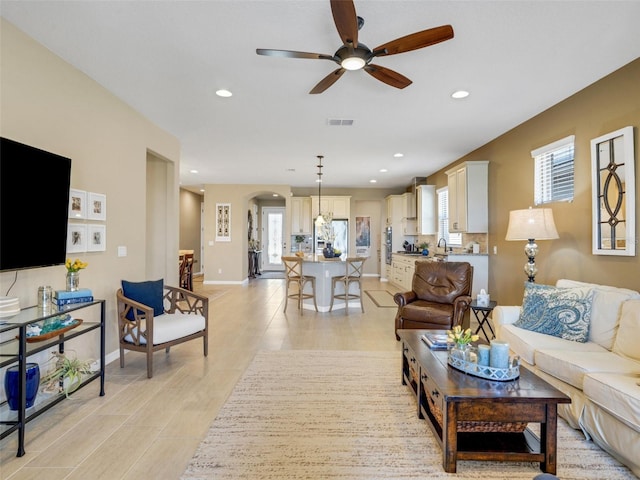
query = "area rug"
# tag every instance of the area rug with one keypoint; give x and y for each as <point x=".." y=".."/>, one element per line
<point x="270" y="275"/>
<point x="346" y="415"/>
<point x="381" y="298"/>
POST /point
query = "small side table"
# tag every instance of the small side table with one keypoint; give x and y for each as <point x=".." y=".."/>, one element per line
<point x="482" y="313"/>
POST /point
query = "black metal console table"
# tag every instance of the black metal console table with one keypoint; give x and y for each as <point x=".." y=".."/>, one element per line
<point x="14" y="349"/>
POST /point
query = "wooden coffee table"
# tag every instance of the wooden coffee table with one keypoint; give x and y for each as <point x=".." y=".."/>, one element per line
<point x="478" y="419"/>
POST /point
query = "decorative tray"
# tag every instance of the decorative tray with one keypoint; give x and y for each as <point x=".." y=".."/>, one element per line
<point x="54" y="333"/>
<point x="485" y="371"/>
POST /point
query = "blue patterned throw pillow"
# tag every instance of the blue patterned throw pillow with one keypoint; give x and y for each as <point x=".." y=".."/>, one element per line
<point x="561" y="312"/>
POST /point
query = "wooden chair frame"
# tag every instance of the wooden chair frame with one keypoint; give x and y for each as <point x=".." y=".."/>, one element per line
<point x="180" y="301"/>
<point x="294" y="275"/>
<point x="185" y="271"/>
<point x="354" y="269"/>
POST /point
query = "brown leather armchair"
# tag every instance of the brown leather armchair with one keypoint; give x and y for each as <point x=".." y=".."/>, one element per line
<point x="440" y="296"/>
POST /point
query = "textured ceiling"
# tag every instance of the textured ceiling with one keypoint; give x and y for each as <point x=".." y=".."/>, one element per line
<point x="167" y="58"/>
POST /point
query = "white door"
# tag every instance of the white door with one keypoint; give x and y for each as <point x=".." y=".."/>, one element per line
<point x="273" y="246"/>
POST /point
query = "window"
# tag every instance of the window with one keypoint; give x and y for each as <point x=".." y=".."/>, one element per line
<point x="554" y="171"/>
<point x="443" y="219"/>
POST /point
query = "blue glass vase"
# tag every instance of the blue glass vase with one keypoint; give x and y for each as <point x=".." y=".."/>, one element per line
<point x="328" y="251"/>
<point x="12" y="385"/>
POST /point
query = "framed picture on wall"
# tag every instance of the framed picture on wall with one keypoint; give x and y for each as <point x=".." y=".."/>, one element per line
<point x="76" y="238"/>
<point x="97" y="206"/>
<point x="77" y="204"/>
<point x="223" y="222"/>
<point x="96" y="238"/>
<point x="613" y="194"/>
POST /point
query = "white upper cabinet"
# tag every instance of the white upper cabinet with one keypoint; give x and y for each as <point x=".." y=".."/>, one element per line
<point x="338" y="207"/>
<point x="301" y="215"/>
<point x="469" y="197"/>
<point x="408" y="205"/>
<point x="394" y="209"/>
<point x="426" y="216"/>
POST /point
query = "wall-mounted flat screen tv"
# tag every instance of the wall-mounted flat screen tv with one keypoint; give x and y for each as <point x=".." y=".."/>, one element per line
<point x="34" y="206"/>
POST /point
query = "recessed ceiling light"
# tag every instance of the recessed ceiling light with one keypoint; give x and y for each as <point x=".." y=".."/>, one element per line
<point x="274" y="194"/>
<point x="223" y="93"/>
<point x="373" y="181"/>
<point x="398" y="155"/>
<point x="193" y="171"/>
<point x="202" y="189"/>
<point x="460" y="94"/>
<point x="383" y="170"/>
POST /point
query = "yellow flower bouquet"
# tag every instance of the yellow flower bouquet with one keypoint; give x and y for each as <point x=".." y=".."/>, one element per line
<point x="460" y="337"/>
<point x="76" y="265"/>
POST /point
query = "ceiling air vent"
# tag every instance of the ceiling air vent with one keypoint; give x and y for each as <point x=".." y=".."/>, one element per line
<point x="339" y="122"/>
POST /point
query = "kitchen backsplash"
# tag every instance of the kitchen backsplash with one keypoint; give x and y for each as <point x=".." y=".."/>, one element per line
<point x="467" y="238"/>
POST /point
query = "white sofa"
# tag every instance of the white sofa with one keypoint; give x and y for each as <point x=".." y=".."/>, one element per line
<point x="602" y="375"/>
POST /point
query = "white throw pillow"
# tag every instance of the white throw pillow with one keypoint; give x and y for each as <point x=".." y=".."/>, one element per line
<point x="628" y="339"/>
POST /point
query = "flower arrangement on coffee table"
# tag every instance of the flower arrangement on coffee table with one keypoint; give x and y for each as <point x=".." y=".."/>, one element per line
<point x="461" y="337"/>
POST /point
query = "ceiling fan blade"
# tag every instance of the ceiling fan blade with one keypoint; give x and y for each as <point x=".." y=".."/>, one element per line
<point x="388" y="76"/>
<point x="327" y="81"/>
<point x="415" y="41"/>
<point x="346" y="20"/>
<point x="292" y="54"/>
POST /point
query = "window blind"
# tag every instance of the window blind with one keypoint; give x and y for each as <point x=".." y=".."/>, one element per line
<point x="443" y="219"/>
<point x="443" y="214"/>
<point x="554" y="167"/>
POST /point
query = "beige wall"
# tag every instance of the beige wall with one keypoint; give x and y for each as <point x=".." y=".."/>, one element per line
<point x="227" y="262"/>
<point x="609" y="104"/>
<point x="190" y="221"/>
<point x="48" y="104"/>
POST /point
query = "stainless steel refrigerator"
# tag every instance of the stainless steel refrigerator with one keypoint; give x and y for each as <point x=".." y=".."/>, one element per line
<point x="339" y="233"/>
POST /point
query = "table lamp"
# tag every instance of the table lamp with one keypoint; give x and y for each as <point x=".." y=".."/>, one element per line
<point x="531" y="224"/>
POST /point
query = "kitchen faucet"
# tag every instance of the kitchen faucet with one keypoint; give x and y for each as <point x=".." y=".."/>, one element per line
<point x="445" y="244"/>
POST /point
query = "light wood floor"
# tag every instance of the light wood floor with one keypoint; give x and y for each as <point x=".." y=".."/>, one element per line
<point x="150" y="428"/>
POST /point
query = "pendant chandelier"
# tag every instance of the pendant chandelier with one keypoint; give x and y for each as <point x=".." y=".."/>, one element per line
<point x="320" y="220"/>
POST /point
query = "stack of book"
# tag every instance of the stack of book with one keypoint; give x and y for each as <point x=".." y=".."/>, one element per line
<point x="436" y="341"/>
<point x="64" y="297"/>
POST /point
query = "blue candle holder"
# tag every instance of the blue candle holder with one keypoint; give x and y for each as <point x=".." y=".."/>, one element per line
<point x="499" y="355"/>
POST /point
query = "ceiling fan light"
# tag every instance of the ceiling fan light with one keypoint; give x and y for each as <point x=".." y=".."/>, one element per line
<point x="353" y="63"/>
<point x="460" y="94"/>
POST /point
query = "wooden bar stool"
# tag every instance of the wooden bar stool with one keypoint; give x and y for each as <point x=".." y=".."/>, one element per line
<point x="186" y="271"/>
<point x="353" y="274"/>
<point x="294" y="275"/>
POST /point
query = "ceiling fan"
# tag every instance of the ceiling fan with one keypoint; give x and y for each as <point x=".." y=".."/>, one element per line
<point x="353" y="55"/>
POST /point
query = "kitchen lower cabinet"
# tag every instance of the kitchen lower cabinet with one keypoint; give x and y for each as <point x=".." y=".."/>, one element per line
<point x="402" y="270"/>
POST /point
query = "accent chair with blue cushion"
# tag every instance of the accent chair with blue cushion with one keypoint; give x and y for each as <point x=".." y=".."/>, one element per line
<point x="153" y="316"/>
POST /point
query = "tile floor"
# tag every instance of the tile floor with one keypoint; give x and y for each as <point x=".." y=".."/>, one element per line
<point x="150" y="428"/>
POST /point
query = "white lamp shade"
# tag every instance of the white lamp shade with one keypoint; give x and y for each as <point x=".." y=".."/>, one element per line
<point x="532" y="223"/>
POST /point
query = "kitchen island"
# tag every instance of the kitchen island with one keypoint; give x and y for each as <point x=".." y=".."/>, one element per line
<point x="324" y="269"/>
